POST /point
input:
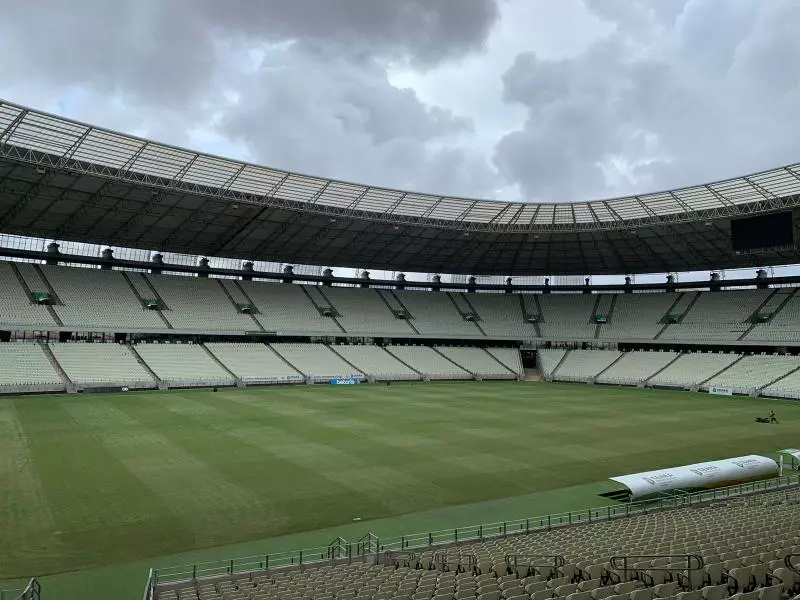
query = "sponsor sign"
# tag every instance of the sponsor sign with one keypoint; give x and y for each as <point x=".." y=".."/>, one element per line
<point x="700" y="476"/>
<point x="720" y="391"/>
<point x="350" y="381"/>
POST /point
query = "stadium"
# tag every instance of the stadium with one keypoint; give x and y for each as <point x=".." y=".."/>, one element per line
<point x="194" y="404"/>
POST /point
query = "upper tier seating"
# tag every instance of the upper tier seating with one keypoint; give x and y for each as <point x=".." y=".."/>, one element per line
<point x="25" y="364"/>
<point x="434" y="313"/>
<point x="376" y="362"/>
<point x="637" y="316"/>
<point x="183" y="365"/>
<point x="567" y="316"/>
<point x="692" y="369"/>
<point x="254" y="363"/>
<point x="636" y="367"/>
<point x="477" y="361"/>
<point x="428" y="362"/>
<point x="501" y="315"/>
<point x="287" y="308"/>
<point x="199" y="303"/>
<point x="363" y="311"/>
<point x="718" y="316"/>
<point x="16" y="307"/>
<point x="754" y="372"/>
<point x="583" y="365"/>
<point x="316" y="361"/>
<point x="111" y="301"/>
<point x="101" y="364"/>
<point x="742" y="542"/>
<point x="92" y="298"/>
<point x="784" y="325"/>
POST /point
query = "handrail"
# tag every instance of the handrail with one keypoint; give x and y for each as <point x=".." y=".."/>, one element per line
<point x="624" y="567"/>
<point x="372" y="545"/>
<point x="788" y="561"/>
<point x="32" y="591"/>
<point x="556" y="561"/>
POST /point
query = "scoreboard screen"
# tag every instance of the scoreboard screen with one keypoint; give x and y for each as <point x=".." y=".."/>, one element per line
<point x="762" y="232"/>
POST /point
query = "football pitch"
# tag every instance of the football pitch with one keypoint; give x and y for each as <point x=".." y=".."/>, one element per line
<point x="97" y="480"/>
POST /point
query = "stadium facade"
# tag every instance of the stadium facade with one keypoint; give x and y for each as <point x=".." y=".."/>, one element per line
<point x="227" y="325"/>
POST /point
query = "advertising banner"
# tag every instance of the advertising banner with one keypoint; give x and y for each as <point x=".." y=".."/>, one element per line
<point x="720" y="391"/>
<point x="350" y="381"/>
<point x="706" y="475"/>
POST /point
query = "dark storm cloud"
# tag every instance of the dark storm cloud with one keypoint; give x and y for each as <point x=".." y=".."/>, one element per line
<point x="296" y="83"/>
<point x="681" y="92"/>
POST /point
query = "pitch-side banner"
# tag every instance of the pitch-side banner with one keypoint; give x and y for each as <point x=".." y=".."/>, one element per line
<point x="705" y="475"/>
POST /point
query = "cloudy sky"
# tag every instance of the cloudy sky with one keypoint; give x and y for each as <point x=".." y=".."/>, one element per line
<point x="513" y="99"/>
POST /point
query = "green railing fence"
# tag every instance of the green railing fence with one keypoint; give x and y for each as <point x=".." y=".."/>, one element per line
<point x="32" y="591"/>
<point x="371" y="545"/>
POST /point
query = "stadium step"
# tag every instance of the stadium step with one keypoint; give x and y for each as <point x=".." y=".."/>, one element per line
<point x="288" y="363"/>
<point x="533" y="375"/>
<point x="70" y="385"/>
<point x="235" y="304"/>
<point x="401" y="361"/>
<point x="23" y="284"/>
<point x="671" y="310"/>
<point x="558" y="366"/>
<point x="501" y="363"/>
<point x="474" y="312"/>
<point x="389" y="297"/>
<point x="162" y="306"/>
<point x="54" y="299"/>
<point x="462" y="367"/>
<point x="322" y="302"/>
<point x="689" y="308"/>
<point x="145" y="366"/>
<point x="612" y="363"/>
<point x="777" y="379"/>
<point x="356" y="369"/>
<point x="222" y="366"/>
<point x="246" y="296"/>
<point x="718" y="373"/>
<point x="465" y="309"/>
<point x="666" y="366"/>
<point x="527" y="313"/>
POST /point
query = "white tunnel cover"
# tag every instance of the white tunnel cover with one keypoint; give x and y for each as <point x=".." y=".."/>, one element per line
<point x="705" y="475"/>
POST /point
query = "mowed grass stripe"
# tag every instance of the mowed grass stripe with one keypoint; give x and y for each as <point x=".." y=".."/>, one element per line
<point x="131" y="476"/>
<point x="24" y="510"/>
<point x="333" y="453"/>
<point x="101" y="512"/>
<point x="304" y="492"/>
<point x="195" y="492"/>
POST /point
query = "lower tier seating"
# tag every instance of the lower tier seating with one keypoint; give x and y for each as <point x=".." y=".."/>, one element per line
<point x="25" y="364"/>
<point x="477" y="361"/>
<point x="428" y="362"/>
<point x="183" y="365"/>
<point x="316" y="361"/>
<point x="255" y="363"/>
<point x="101" y="364"/>
<point x="742" y="543"/>
<point x="377" y="363"/>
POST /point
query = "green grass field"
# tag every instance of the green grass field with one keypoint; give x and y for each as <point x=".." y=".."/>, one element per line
<point x="116" y="482"/>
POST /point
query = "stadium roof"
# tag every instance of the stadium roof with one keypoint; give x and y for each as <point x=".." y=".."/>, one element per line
<point x="66" y="180"/>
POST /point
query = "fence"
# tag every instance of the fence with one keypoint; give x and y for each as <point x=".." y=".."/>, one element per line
<point x="32" y="591"/>
<point x="371" y="545"/>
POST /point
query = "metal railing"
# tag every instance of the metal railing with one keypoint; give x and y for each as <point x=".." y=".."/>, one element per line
<point x="32" y="591"/>
<point x="372" y="546"/>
